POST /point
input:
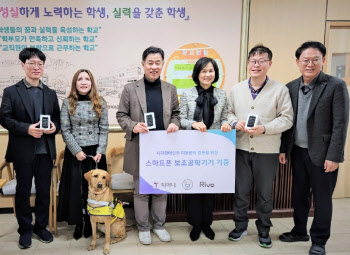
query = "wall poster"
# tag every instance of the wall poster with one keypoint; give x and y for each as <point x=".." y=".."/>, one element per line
<point x="108" y="38"/>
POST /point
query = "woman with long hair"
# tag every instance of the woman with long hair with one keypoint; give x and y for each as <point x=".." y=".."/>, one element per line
<point x="84" y="126"/>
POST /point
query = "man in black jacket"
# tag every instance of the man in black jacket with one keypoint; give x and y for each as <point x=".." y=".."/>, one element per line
<point x="31" y="148"/>
<point x="316" y="144"/>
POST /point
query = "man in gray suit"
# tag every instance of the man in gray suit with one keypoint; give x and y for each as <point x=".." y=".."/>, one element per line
<point x="147" y="95"/>
<point x="316" y="144"/>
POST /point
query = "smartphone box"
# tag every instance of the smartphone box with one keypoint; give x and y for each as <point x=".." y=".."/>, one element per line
<point x="252" y="121"/>
<point x="45" y="122"/>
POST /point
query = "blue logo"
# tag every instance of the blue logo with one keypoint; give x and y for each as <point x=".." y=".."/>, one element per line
<point x="187" y="184"/>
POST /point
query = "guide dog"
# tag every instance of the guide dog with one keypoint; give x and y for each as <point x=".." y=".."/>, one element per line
<point x="102" y="209"/>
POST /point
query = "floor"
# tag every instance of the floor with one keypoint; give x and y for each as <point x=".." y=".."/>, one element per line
<point x="63" y="243"/>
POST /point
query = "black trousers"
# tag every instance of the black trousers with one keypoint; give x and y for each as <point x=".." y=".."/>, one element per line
<point x="40" y="169"/>
<point x="200" y="209"/>
<point x="260" y="168"/>
<point x="307" y="178"/>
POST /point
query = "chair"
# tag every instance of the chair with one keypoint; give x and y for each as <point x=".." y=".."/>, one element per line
<point x="56" y="177"/>
<point x="10" y="183"/>
<point x="121" y="181"/>
<point x="9" y="189"/>
<point x="2" y="182"/>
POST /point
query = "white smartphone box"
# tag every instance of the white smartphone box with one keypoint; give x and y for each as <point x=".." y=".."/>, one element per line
<point x="45" y="122"/>
<point x="150" y="120"/>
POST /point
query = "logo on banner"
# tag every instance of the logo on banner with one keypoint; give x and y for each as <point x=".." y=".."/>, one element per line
<point x="187" y="184"/>
<point x="156" y="184"/>
<point x="206" y="185"/>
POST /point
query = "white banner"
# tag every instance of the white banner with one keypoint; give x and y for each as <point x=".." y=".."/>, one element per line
<point x="187" y="162"/>
<point x="108" y="38"/>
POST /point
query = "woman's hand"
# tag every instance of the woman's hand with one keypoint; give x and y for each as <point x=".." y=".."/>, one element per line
<point x="97" y="157"/>
<point x="240" y="126"/>
<point x="226" y="127"/>
<point x="199" y="126"/>
<point x="80" y="156"/>
<point x="172" y="128"/>
<point x="282" y="158"/>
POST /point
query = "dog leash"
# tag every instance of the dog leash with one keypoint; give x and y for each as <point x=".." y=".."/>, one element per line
<point x="81" y="189"/>
<point x="90" y="156"/>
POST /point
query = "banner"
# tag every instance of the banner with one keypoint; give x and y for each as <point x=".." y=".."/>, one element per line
<point x="187" y="161"/>
<point x="108" y="38"/>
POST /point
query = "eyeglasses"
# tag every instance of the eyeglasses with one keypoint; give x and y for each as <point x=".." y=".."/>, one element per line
<point x="315" y="61"/>
<point x="33" y="64"/>
<point x="259" y="62"/>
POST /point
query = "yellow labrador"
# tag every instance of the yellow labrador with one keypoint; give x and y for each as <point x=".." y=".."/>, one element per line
<point x="99" y="198"/>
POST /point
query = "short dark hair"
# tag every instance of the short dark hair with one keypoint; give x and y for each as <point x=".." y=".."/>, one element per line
<point x="152" y="50"/>
<point x="200" y="64"/>
<point x="28" y="53"/>
<point x="311" y="44"/>
<point x="260" y="49"/>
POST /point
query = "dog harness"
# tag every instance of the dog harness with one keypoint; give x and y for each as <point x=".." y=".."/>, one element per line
<point x="106" y="209"/>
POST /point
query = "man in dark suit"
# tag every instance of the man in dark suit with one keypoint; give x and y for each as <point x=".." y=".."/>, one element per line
<point x="316" y="144"/>
<point x="30" y="148"/>
<point x="147" y="95"/>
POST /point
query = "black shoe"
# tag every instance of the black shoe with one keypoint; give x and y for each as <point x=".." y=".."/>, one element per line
<point x="291" y="237"/>
<point x="44" y="235"/>
<point x="208" y="232"/>
<point x="25" y="240"/>
<point x="78" y="232"/>
<point x="87" y="229"/>
<point x="317" y="249"/>
<point x="195" y="233"/>
<point x="265" y="240"/>
<point x="237" y="234"/>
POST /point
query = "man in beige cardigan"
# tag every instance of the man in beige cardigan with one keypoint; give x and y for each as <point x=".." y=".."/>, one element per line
<point x="257" y="148"/>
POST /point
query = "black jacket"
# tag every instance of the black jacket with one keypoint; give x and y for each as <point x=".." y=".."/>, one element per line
<point x="16" y="116"/>
<point x="327" y="121"/>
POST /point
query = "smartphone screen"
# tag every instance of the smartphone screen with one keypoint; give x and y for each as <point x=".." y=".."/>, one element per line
<point x="45" y="122"/>
<point x="251" y="121"/>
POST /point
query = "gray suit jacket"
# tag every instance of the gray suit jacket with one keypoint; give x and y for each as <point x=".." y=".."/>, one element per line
<point x="188" y="105"/>
<point x="132" y="107"/>
<point x="84" y="128"/>
<point x="327" y="121"/>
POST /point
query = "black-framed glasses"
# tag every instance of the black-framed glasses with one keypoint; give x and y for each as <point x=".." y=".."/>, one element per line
<point x="260" y="62"/>
<point x="315" y="61"/>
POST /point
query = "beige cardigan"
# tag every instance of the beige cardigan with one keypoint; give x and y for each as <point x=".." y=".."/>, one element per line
<point x="274" y="109"/>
